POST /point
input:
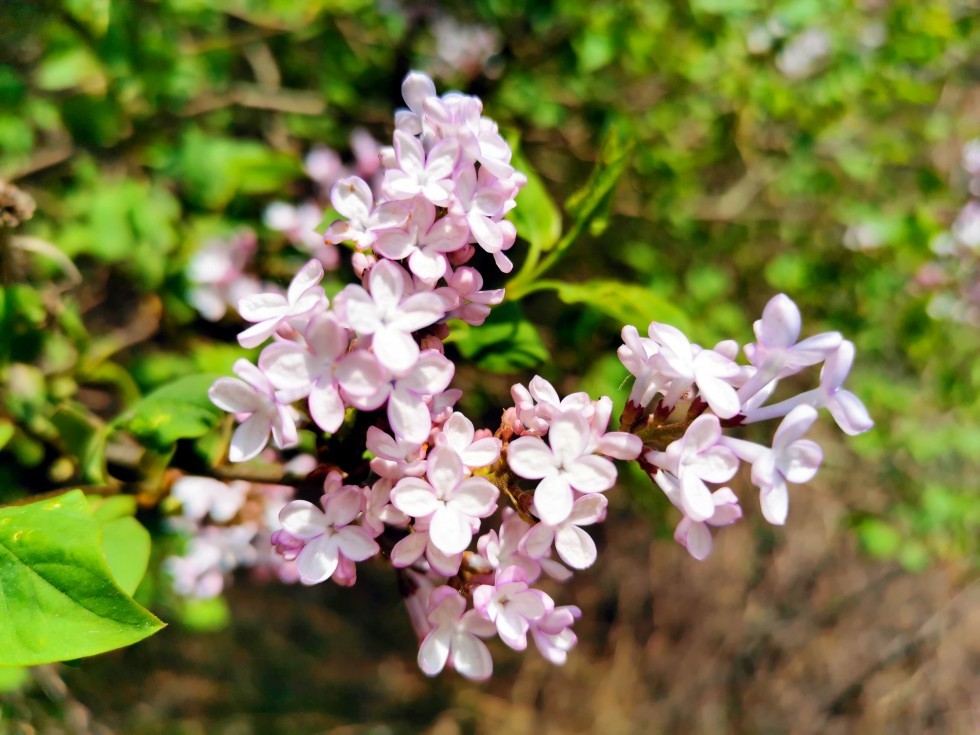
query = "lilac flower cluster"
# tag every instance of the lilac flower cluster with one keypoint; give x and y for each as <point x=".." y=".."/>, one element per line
<point x="685" y="395"/>
<point x="953" y="277"/>
<point x="473" y="521"/>
<point x="230" y="526"/>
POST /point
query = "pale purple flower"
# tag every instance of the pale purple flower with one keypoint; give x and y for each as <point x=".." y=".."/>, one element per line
<point x="457" y="117"/>
<point x="366" y="153"/>
<point x="323" y="165"/>
<point x="424" y="240"/>
<point x="776" y="352"/>
<point x="455" y="637"/>
<point x="385" y="312"/>
<point x="616" y="444"/>
<point x="353" y="199"/>
<point x="273" y="310"/>
<point x="458" y="433"/>
<point x="408" y="396"/>
<point x="205" y="496"/>
<point x="378" y="510"/>
<point x="453" y="500"/>
<point x="562" y="466"/>
<point x="846" y="408"/>
<point x="503" y="549"/>
<point x="481" y="199"/>
<point x="418" y="174"/>
<point x="472" y="305"/>
<point x="695" y="536"/>
<point x="328" y="533"/>
<point x="217" y="272"/>
<point x="253" y="397"/>
<point x="416" y="88"/>
<point x="511" y="605"/>
<point x="791" y="459"/>
<point x="553" y="634"/>
<point x="394" y="458"/>
<point x="694" y="459"/>
<point x="419" y="543"/>
<point x="299" y="225"/>
<point x="574" y="546"/>
<point x="210" y="556"/>
<point x="321" y="370"/>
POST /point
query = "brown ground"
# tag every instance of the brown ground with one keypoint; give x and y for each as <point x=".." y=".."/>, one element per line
<point x="784" y="631"/>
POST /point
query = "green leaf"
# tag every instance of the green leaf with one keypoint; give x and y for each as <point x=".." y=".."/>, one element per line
<point x="178" y="410"/>
<point x="59" y="599"/>
<point x="624" y="303"/>
<point x="127" y="551"/>
<point x="537" y="218"/>
<point x="84" y="436"/>
<point x="506" y="343"/>
<point x="125" y="542"/>
<point x="591" y="205"/>
<point x="214" y="169"/>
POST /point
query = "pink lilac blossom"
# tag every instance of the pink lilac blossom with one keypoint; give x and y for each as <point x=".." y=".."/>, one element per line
<point x="329" y="535"/>
<point x="272" y="310"/>
<point x="563" y="465"/>
<point x="252" y="396"/>
<point x="511" y="605"/>
<point x="455" y="637"/>
<point x="452" y="500"/>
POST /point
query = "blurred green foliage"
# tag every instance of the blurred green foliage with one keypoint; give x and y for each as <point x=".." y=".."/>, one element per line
<point x="743" y="139"/>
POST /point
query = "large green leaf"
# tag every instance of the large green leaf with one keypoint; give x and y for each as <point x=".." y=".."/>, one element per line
<point x="178" y="410"/>
<point x="506" y="343"/>
<point x="625" y="303"/>
<point x="57" y="595"/>
<point x="125" y="542"/>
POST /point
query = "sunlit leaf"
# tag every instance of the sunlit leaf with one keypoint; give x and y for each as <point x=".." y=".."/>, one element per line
<point x="506" y="343"/>
<point x="60" y="600"/>
<point x="178" y="410"/>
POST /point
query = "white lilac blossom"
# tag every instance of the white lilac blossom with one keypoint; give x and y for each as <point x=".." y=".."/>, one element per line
<point x="330" y="535"/>
<point x="511" y="605"/>
<point x="695" y="536"/>
<point x="272" y="310"/>
<point x="385" y="311"/>
<point x="574" y="546"/>
<point x="321" y="370"/>
<point x="562" y="465"/>
<point x="455" y="637"/>
<point x="253" y="397"/>
<point x="791" y="459"/>
<point x="694" y="459"/>
<point x="217" y="274"/>
<point x="449" y="497"/>
<point x="369" y="375"/>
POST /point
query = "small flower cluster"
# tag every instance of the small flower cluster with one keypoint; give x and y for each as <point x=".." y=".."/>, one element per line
<point x="473" y="521"/>
<point x="230" y="526"/>
<point x="685" y="395"/>
<point x="954" y="276"/>
<point x="218" y="274"/>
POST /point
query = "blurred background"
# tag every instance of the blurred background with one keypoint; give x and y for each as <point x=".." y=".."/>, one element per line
<point x="828" y="149"/>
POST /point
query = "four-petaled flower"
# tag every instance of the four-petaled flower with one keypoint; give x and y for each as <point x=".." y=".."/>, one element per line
<point x="453" y="500"/>
<point x="329" y="534"/>
<point x="562" y="466"/>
